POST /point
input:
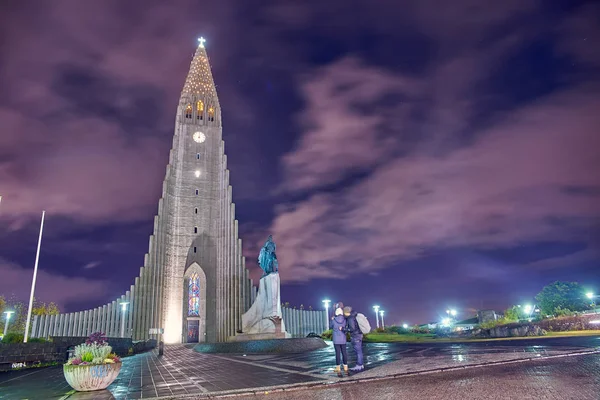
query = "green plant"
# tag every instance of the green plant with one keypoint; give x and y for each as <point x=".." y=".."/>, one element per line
<point x="327" y="335"/>
<point x="563" y="312"/>
<point x="12" y="337"/>
<point x="563" y="295"/>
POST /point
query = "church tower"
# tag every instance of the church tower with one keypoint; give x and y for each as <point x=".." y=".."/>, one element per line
<point x="206" y="285"/>
<point x="193" y="286"/>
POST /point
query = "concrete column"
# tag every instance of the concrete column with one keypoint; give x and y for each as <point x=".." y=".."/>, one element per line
<point x="236" y="278"/>
<point x="48" y="326"/>
<point x="55" y="324"/>
<point x="105" y="319"/>
<point x="93" y="320"/>
<point x="144" y="306"/>
<point x="102" y="319"/>
<point x="136" y="311"/>
<point x="87" y="322"/>
<point x="228" y="260"/>
<point x="114" y="319"/>
<point x="68" y="324"/>
<point x="34" y="326"/>
<point x="130" y="311"/>
<point x="77" y="324"/>
<point x="61" y="325"/>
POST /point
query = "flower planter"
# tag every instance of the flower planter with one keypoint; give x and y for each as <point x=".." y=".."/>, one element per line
<point x="85" y="378"/>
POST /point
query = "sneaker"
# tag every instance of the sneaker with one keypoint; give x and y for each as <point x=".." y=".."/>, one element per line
<point x="345" y="368"/>
<point x="337" y="369"/>
<point x="357" y="368"/>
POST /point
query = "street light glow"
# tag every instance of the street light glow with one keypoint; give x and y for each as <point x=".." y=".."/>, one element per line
<point x="590" y="295"/>
<point x="453" y="312"/>
<point x="376" y="308"/>
<point x="528" y="308"/>
<point x="405" y="326"/>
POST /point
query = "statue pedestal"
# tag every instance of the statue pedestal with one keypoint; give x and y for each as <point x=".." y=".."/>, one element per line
<point x="264" y="319"/>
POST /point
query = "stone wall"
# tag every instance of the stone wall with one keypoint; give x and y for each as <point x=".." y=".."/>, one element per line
<point x="21" y="355"/>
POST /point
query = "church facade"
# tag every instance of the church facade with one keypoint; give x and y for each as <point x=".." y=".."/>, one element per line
<point x="193" y="286"/>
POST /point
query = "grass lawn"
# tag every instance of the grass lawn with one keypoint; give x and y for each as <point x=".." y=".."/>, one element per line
<point x="430" y="338"/>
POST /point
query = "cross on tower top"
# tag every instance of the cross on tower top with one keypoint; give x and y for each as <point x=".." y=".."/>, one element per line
<point x="201" y="40"/>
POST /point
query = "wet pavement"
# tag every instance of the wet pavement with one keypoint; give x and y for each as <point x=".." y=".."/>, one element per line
<point x="181" y="371"/>
<point x="564" y="378"/>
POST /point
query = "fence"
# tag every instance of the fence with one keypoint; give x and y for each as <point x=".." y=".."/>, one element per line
<point x="300" y="322"/>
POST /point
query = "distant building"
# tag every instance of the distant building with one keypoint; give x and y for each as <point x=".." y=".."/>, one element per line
<point x="484" y="316"/>
<point x="467" y="324"/>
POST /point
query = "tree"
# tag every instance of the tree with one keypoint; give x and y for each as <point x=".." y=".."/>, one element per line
<point x="562" y="296"/>
<point x="512" y="314"/>
<point x="19" y="318"/>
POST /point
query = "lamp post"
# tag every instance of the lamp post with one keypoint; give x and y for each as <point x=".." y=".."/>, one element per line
<point x="591" y="296"/>
<point x="123" y="310"/>
<point x="7" y="318"/>
<point x="326" y="304"/>
<point x="376" y="308"/>
<point x="382" y="323"/>
<point x="35" y="268"/>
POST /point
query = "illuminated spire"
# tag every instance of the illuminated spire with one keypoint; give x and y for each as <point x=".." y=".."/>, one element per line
<point x="199" y="82"/>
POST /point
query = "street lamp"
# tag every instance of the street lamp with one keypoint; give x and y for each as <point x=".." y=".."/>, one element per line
<point x="589" y="295"/>
<point x="382" y="323"/>
<point x="123" y="310"/>
<point x="326" y="303"/>
<point x="405" y="326"/>
<point x="376" y="308"/>
<point x="7" y="318"/>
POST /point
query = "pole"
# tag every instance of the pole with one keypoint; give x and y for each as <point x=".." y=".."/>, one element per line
<point x="35" y="268"/>
<point x="376" y="308"/>
<point x="8" y="315"/>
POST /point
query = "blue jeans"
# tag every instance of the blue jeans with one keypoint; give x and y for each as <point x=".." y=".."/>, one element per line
<point x="357" y="345"/>
<point x="340" y="350"/>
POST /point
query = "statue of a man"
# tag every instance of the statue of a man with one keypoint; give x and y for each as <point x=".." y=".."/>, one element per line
<point x="267" y="259"/>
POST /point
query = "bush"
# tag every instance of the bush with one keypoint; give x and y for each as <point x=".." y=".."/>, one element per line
<point x="563" y="312"/>
<point x="394" y="329"/>
<point x="327" y="335"/>
<point x="12" y="337"/>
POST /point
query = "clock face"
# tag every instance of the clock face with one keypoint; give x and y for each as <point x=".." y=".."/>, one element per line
<point x="199" y="137"/>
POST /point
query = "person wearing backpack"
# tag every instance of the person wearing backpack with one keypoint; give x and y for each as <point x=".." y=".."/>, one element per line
<point x="356" y="336"/>
<point x="338" y="326"/>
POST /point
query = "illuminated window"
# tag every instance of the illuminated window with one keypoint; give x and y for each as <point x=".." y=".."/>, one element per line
<point x="199" y="109"/>
<point x="211" y="114"/>
<point x="194" y="295"/>
<point x="188" y="111"/>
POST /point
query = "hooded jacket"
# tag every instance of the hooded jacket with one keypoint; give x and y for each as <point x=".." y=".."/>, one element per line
<point x="339" y="335"/>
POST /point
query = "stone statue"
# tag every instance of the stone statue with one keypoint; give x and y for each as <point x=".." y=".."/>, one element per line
<point x="267" y="259"/>
<point x="263" y="320"/>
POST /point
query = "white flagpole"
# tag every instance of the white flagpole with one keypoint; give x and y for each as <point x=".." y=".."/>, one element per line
<point x="35" y="268"/>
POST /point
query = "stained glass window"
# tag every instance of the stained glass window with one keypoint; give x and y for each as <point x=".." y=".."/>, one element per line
<point x="194" y="295"/>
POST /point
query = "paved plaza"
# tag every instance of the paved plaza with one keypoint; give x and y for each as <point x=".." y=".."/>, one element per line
<point x="181" y="371"/>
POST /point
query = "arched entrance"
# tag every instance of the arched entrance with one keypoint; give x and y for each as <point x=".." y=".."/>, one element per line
<point x="194" y="309"/>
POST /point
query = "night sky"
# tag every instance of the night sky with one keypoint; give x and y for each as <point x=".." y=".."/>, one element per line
<point x="415" y="154"/>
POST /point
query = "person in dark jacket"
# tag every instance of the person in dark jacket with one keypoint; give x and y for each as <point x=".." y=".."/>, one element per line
<point x="356" y="337"/>
<point x="338" y="326"/>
